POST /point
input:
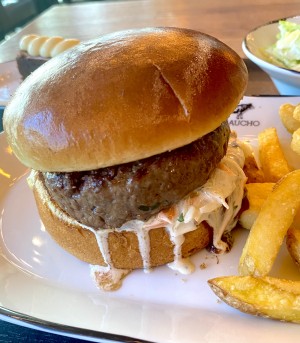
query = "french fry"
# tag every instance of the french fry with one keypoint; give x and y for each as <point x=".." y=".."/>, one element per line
<point x="295" y="143"/>
<point x="270" y="227"/>
<point x="286" y="113"/>
<point x="290" y="117"/>
<point x="296" y="113"/>
<point x="266" y="297"/>
<point x="293" y="244"/>
<point x="273" y="161"/>
<point x="256" y="194"/>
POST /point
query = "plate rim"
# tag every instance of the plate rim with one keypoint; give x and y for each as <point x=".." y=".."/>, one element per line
<point x="65" y="330"/>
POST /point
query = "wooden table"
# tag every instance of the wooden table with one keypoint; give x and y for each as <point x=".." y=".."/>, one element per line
<point x="228" y="20"/>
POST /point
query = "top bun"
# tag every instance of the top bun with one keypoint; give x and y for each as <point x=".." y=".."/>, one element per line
<point x="123" y="97"/>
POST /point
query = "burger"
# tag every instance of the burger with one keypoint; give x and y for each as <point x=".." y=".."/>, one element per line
<point x="127" y="139"/>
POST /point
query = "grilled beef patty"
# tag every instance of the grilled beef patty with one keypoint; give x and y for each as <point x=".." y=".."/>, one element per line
<point x="108" y="197"/>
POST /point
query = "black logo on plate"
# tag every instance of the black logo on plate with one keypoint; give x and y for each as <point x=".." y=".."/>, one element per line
<point x="239" y="118"/>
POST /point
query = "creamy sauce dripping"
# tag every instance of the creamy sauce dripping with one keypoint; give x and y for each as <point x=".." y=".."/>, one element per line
<point x="108" y="278"/>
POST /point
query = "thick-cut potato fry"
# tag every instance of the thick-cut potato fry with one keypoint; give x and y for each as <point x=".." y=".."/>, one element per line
<point x="267" y="297"/>
<point x="270" y="227"/>
<point x="286" y="113"/>
<point x="295" y="144"/>
<point x="256" y="194"/>
<point x="290" y="117"/>
<point x="293" y="244"/>
<point x="296" y="112"/>
<point x="273" y="161"/>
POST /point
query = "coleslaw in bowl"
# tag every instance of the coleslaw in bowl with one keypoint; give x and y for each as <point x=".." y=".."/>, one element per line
<point x="275" y="48"/>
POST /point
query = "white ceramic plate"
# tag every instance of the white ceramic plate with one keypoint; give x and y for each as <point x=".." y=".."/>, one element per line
<point x="286" y="81"/>
<point x="41" y="286"/>
<point x="10" y="79"/>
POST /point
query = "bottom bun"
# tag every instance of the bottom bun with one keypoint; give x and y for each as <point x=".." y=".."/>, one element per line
<point x="122" y="246"/>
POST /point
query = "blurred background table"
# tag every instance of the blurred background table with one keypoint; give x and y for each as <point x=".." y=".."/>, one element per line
<point x="228" y="20"/>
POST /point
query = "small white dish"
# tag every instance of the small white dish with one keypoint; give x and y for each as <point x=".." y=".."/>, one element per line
<point x="287" y="81"/>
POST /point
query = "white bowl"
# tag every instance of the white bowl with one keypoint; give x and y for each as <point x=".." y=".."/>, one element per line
<point x="287" y="81"/>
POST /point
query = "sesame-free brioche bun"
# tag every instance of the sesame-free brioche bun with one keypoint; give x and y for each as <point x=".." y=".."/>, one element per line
<point x="123" y="97"/>
<point x="124" y="249"/>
